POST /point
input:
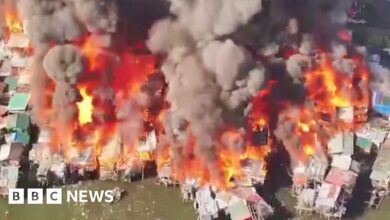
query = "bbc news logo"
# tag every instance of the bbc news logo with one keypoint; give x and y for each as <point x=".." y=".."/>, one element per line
<point x="55" y="196"/>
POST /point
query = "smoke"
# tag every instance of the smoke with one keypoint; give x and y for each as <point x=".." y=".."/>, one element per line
<point x="296" y="66"/>
<point x="57" y="29"/>
<point x="211" y="51"/>
<point x="206" y="20"/>
<point x="210" y="81"/>
<point x="295" y="138"/>
<point x="217" y="56"/>
<point x="50" y="21"/>
<point x="98" y="16"/>
<point x="64" y="64"/>
<point x="380" y="81"/>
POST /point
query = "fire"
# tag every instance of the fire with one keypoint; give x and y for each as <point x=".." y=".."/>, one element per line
<point x="85" y="107"/>
<point x="230" y="166"/>
<point x="91" y="51"/>
<point x="330" y="88"/>
<point x="304" y="127"/>
<point x="324" y="87"/>
<point x="133" y="72"/>
<point x="13" y="22"/>
<point x="308" y="150"/>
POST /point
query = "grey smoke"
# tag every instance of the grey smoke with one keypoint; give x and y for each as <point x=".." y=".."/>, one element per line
<point x="130" y="123"/>
<point x="206" y="20"/>
<point x="210" y="81"/>
<point x="296" y="66"/>
<point x="211" y="78"/>
<point x="50" y="20"/>
<point x="285" y="132"/>
<point x="380" y="81"/>
<point x="64" y="65"/>
<point x="58" y="22"/>
<point x="99" y="16"/>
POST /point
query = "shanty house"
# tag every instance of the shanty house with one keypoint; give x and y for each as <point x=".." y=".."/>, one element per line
<point x="11" y="83"/>
<point x="314" y="172"/>
<point x="253" y="172"/>
<point x="24" y="81"/>
<point x="166" y="175"/>
<point x="343" y="178"/>
<point x="51" y="168"/>
<point x="4" y="53"/>
<point x="18" y="61"/>
<point x="329" y="203"/>
<point x="9" y="176"/>
<point x="18" y="41"/>
<point x="18" y="45"/>
<point x="20" y="137"/>
<point x="13" y="153"/>
<point x="39" y="152"/>
<point x="19" y="125"/>
<point x="18" y="122"/>
<point x="188" y="189"/>
<point x="260" y="135"/>
<point x="364" y="143"/>
<point x="380" y="174"/>
<point x="146" y="146"/>
<point x="58" y="171"/>
<point x="130" y="168"/>
<point x="110" y="156"/>
<point x="18" y="102"/>
<point x="44" y="136"/>
<point x="341" y="143"/>
<point x="346" y="114"/>
<point x="12" y="158"/>
<point x="205" y="204"/>
<point x="239" y="203"/>
<point x="316" y="169"/>
<point x="43" y="171"/>
<point x="360" y="114"/>
<point x="84" y="160"/>
<point x="3" y="87"/>
<point x="367" y="136"/>
<point x="342" y="161"/>
<point x="257" y="208"/>
<point x="306" y="199"/>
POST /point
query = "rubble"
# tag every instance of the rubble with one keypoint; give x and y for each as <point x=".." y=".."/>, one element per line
<point x="118" y="194"/>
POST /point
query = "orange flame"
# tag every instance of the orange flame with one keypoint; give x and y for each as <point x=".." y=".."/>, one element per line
<point x="13" y="22"/>
<point x="330" y="88"/>
<point x="90" y="49"/>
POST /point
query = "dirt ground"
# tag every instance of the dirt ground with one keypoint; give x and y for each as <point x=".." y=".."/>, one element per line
<point x="145" y="201"/>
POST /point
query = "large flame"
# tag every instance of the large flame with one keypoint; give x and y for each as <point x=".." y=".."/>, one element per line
<point x="13" y="22"/>
<point x="90" y="49"/>
<point x="324" y="84"/>
<point x="85" y="107"/>
<point x="329" y="88"/>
